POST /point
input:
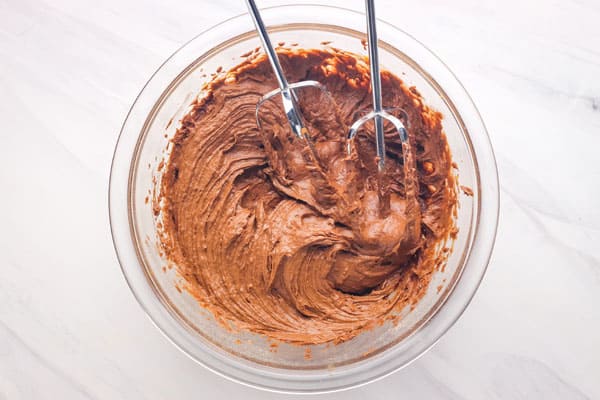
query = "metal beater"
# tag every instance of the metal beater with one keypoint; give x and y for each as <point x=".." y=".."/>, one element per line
<point x="378" y="113"/>
<point x="289" y="97"/>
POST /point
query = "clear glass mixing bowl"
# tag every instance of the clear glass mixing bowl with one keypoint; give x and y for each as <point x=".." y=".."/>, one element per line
<point x="248" y="358"/>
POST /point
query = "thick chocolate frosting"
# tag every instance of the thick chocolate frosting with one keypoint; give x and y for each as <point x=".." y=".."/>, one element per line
<point x="305" y="245"/>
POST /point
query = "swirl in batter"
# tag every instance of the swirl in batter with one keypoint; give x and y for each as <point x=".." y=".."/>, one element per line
<point x="305" y="251"/>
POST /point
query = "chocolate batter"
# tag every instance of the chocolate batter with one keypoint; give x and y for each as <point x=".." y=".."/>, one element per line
<point x="305" y="246"/>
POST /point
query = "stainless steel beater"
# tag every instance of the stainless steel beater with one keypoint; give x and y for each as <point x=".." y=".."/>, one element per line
<point x="289" y="97"/>
<point x="378" y="113"/>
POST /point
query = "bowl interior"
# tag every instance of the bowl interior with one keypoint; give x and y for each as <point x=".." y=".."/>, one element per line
<point x="153" y="147"/>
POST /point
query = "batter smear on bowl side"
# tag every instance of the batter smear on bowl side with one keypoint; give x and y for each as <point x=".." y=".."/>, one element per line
<point x="304" y="252"/>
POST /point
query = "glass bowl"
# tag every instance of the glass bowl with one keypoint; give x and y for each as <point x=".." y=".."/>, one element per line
<point x="249" y="358"/>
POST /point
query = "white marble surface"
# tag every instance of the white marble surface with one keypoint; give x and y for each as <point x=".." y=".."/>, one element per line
<point x="69" y="326"/>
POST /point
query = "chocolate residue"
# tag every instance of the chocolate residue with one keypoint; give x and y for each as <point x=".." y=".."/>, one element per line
<point x="307" y="353"/>
<point x="247" y="54"/>
<point x="467" y="190"/>
<point x="302" y="251"/>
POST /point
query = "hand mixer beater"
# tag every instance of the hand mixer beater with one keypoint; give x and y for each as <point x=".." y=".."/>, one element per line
<point x="288" y="92"/>
<point x="378" y="114"/>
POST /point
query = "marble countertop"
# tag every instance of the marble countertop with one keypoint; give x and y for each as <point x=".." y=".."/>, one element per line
<point x="69" y="326"/>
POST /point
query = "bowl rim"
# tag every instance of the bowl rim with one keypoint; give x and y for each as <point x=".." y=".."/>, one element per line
<point x="222" y="363"/>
